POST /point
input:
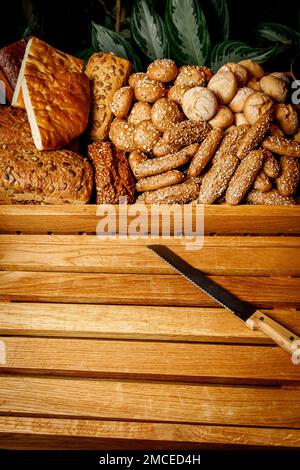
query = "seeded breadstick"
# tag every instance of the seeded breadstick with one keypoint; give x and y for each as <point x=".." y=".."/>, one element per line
<point x="159" y="165"/>
<point x="205" y="152"/>
<point x="271" y="198"/>
<point x="255" y="135"/>
<point x="244" y="177"/>
<point x="216" y="180"/>
<point x="271" y="166"/>
<point x="288" y="180"/>
<point x="283" y="146"/>
<point x="135" y="158"/>
<point x="230" y="143"/>
<point x="186" y="133"/>
<point x="159" y="181"/>
<point x="161" y="148"/>
<point x="178" y="194"/>
<point x="262" y="182"/>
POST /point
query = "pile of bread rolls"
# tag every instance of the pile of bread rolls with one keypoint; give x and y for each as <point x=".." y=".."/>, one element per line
<point x="228" y="137"/>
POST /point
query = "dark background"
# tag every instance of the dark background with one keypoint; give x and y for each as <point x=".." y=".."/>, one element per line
<point x="66" y="23"/>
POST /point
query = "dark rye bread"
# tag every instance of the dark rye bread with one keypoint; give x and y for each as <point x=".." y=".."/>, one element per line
<point x="11" y="57"/>
<point x="112" y="173"/>
<point x="28" y="175"/>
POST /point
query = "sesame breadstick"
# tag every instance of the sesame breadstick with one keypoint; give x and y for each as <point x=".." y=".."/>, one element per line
<point x="262" y="182"/>
<point x="186" y="133"/>
<point x="205" y="152"/>
<point x="178" y="194"/>
<point x="271" y="166"/>
<point x="230" y="143"/>
<point x="255" y="135"/>
<point x="288" y="180"/>
<point x="283" y="146"/>
<point x="271" y="198"/>
<point x="159" y="181"/>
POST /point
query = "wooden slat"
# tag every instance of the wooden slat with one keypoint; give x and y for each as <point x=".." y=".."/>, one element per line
<point x="143" y="289"/>
<point x="218" y="219"/>
<point x="135" y="360"/>
<point x="111" y="258"/>
<point x="130" y="322"/>
<point x="138" y="401"/>
<point x="121" y="434"/>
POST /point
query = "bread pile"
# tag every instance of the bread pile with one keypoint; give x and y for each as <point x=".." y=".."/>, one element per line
<point x="227" y="137"/>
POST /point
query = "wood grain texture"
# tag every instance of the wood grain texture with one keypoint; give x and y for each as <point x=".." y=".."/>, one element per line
<point x="218" y="219"/>
<point x="149" y="401"/>
<point x="106" y="257"/>
<point x="134" y="360"/>
<point x="132" y="289"/>
<point x="130" y="435"/>
<point x="130" y="322"/>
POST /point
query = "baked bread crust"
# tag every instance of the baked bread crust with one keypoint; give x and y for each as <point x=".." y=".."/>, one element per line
<point x="41" y="57"/>
<point x="28" y="175"/>
<point x="57" y="106"/>
<point x="107" y="73"/>
<point x="11" y="57"/>
<point x="112" y="173"/>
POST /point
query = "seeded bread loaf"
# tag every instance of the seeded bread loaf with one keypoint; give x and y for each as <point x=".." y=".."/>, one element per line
<point x="28" y="175"/>
<point x="11" y="57"/>
<point x="107" y="73"/>
<point x="112" y="173"/>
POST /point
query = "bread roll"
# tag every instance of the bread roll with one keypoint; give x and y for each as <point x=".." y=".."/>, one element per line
<point x="223" y="118"/>
<point x="224" y="85"/>
<point x="274" y="87"/>
<point x="191" y="76"/>
<point x="149" y="91"/>
<point x="146" y="135"/>
<point x="199" y="104"/>
<point x="256" y="105"/>
<point x="164" y="113"/>
<point x="107" y="73"/>
<point x="254" y="84"/>
<point x="286" y="117"/>
<point x="121" y="133"/>
<point x="240" y="120"/>
<point x="241" y="74"/>
<point x="253" y="68"/>
<point x="238" y="102"/>
<point x="136" y="77"/>
<point x="122" y="101"/>
<point x="139" y="112"/>
<point x="163" y="70"/>
<point x="177" y="92"/>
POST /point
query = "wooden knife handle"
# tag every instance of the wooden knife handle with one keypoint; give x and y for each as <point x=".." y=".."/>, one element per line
<point x="283" y="337"/>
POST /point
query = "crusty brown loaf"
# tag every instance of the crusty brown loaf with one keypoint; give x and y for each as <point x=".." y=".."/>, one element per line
<point x="107" y="74"/>
<point x="112" y="173"/>
<point x="11" y="57"/>
<point x="28" y="175"/>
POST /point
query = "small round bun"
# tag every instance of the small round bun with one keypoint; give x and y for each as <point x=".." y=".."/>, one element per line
<point x="140" y="112"/>
<point x="274" y="87"/>
<point x="223" y="118"/>
<point x="241" y="74"/>
<point x="297" y="136"/>
<point x="240" y="120"/>
<point x="163" y="70"/>
<point x="191" y="76"/>
<point x="122" y="101"/>
<point x="164" y="113"/>
<point x="149" y="91"/>
<point x="283" y="76"/>
<point x="146" y="136"/>
<point x="238" y="102"/>
<point x="287" y="119"/>
<point x="199" y="104"/>
<point x="136" y="77"/>
<point x="121" y="134"/>
<point x="224" y="85"/>
<point x="176" y="93"/>
<point x="256" y="105"/>
<point x="253" y="68"/>
<point x="254" y="84"/>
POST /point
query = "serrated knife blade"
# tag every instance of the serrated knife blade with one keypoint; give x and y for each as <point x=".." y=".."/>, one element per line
<point x="254" y="319"/>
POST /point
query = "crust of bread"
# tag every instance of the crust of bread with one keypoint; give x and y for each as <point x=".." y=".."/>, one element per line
<point x="57" y="106"/>
<point x="46" y="59"/>
<point x="11" y="57"/>
<point x="107" y="73"/>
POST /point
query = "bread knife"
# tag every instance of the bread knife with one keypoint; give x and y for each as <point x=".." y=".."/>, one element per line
<point x="254" y="319"/>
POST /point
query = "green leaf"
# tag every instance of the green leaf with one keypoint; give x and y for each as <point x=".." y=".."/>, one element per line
<point x="217" y="17"/>
<point x="187" y="31"/>
<point x="278" y="33"/>
<point x="85" y="54"/>
<point x="106" y="40"/>
<point x="148" y="31"/>
<point x="236" y="51"/>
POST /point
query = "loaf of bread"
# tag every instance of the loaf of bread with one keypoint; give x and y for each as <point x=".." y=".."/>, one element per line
<point x="41" y="57"/>
<point x="57" y="106"/>
<point x="112" y="173"/>
<point x="107" y="73"/>
<point x="11" y="57"/>
<point x="28" y="175"/>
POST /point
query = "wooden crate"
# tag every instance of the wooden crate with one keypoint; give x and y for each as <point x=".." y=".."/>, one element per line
<point x="108" y="348"/>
